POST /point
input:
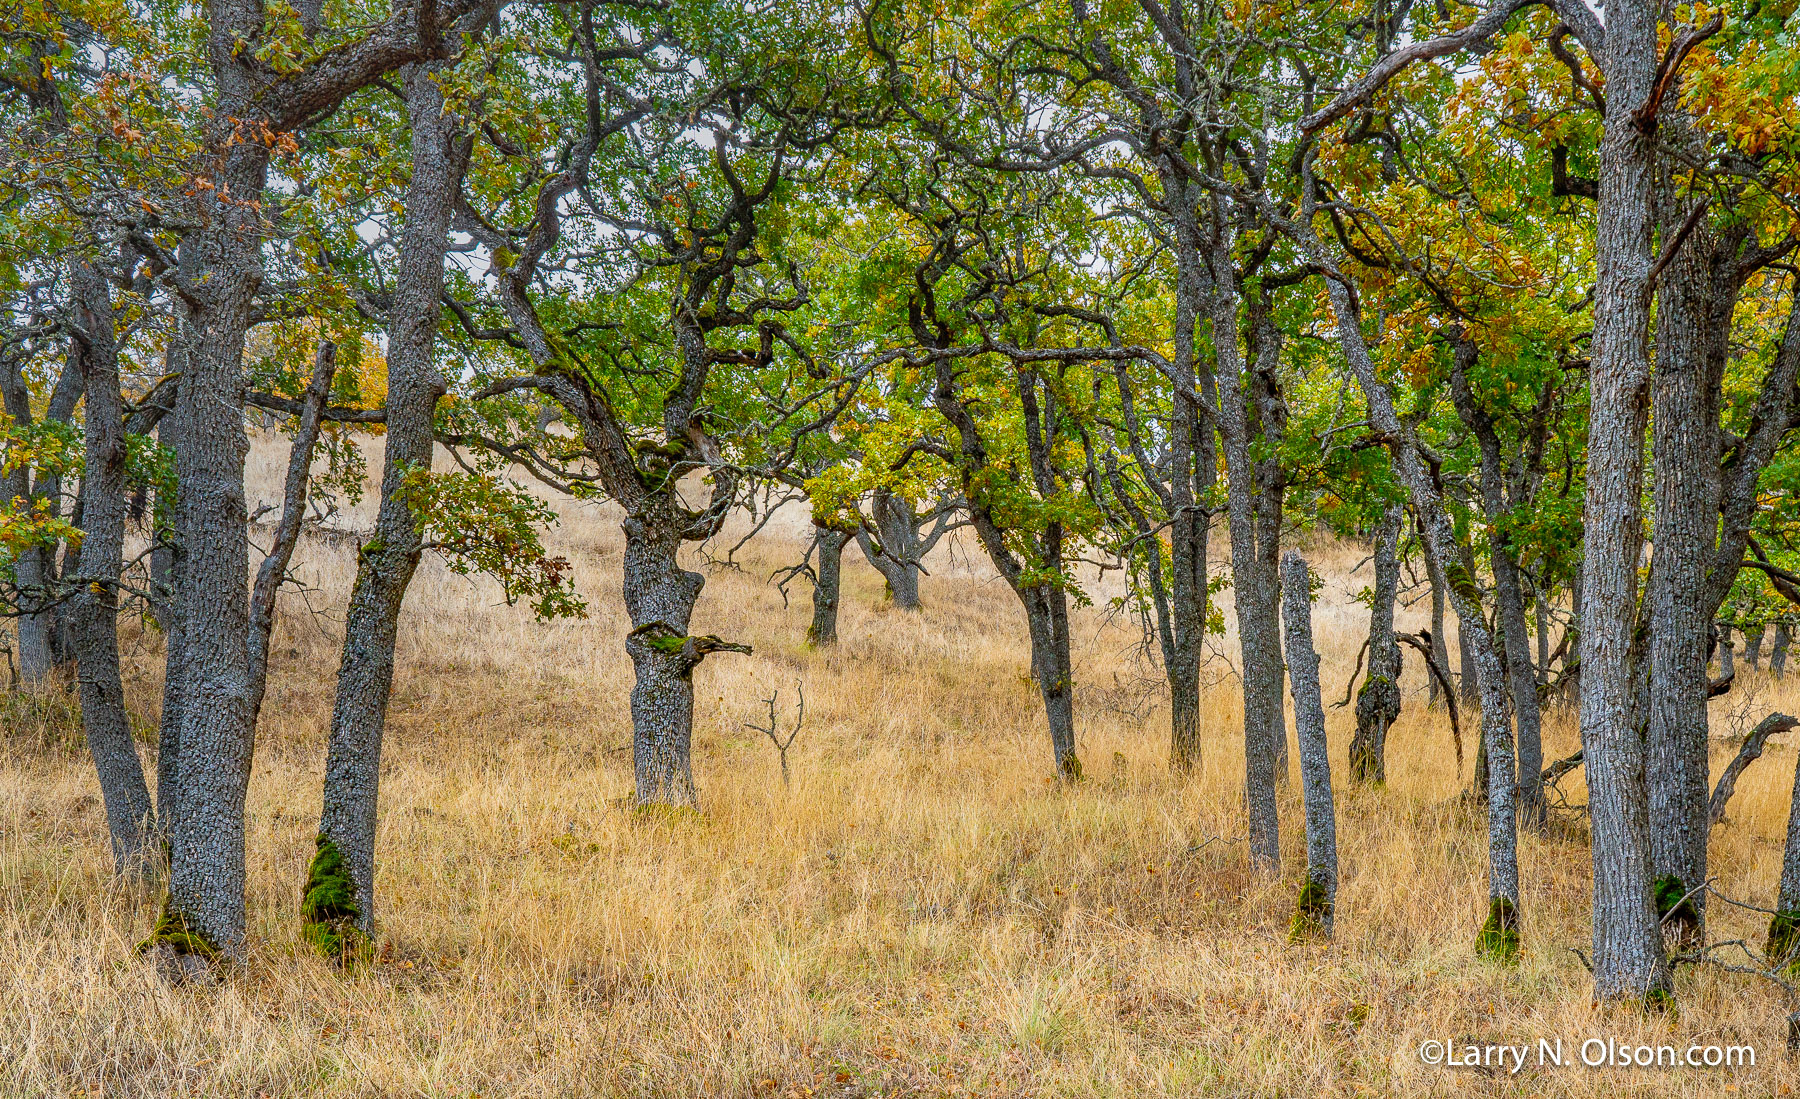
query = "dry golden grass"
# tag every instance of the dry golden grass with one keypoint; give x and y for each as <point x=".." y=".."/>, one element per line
<point x="923" y="913"/>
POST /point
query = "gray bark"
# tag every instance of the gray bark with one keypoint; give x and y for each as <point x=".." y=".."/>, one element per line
<point x="166" y="567"/>
<point x="1378" y="703"/>
<point x="220" y="271"/>
<point x="1727" y="662"/>
<point x="94" y="585"/>
<point x="827" y="584"/>
<point x="897" y="547"/>
<point x="1255" y="593"/>
<point x="1309" y="725"/>
<point x="1778" y="650"/>
<point x="1629" y="961"/>
<point x="386" y="562"/>
<point x="1753" y="643"/>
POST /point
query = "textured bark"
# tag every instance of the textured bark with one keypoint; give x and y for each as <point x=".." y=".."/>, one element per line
<point x="1378" y="703"/>
<point x="1723" y="647"/>
<point x="166" y="572"/>
<point x="1255" y="593"/>
<point x="1778" y="650"/>
<point x="829" y="545"/>
<point x="1686" y="501"/>
<point x="1192" y="461"/>
<point x="660" y="597"/>
<point x="1309" y="725"/>
<point x="1753" y="643"/>
<point x="1629" y="961"/>
<point x="386" y="562"/>
<point x="94" y="600"/>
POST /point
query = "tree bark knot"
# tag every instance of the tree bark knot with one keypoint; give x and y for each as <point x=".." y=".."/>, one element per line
<point x="664" y="638"/>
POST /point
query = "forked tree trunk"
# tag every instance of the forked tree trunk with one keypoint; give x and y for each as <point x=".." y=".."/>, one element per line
<point x="1378" y="703"/>
<point x="1318" y="894"/>
<point x="386" y="562"/>
<point x="826" y="585"/>
<point x="896" y="556"/>
<point x="94" y="604"/>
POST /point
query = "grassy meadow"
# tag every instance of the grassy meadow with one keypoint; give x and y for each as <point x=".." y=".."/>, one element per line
<point x="921" y="913"/>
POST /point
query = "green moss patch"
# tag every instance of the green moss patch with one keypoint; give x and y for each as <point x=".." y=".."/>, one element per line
<point x="329" y="912"/>
<point x="1499" y="936"/>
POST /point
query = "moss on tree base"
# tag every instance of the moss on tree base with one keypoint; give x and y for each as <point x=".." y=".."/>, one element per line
<point x="1312" y="913"/>
<point x="1499" y="936"/>
<point x="172" y="933"/>
<point x="329" y="912"/>
<point x="1783" y="948"/>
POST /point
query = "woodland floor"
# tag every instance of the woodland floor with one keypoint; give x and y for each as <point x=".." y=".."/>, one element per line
<point x="923" y="913"/>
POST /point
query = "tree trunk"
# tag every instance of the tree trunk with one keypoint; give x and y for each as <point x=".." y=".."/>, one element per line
<point x="896" y="556"/>
<point x="216" y="740"/>
<point x="1193" y="463"/>
<point x="94" y="603"/>
<point x="1378" y="703"/>
<point x="1440" y="652"/>
<point x="1509" y="593"/>
<point x="1629" y="961"/>
<point x="1727" y="665"/>
<point x="165" y="565"/>
<point x="1468" y="678"/>
<point x="830" y="545"/>
<point x="34" y="571"/>
<point x="1779" y="650"/>
<point x="1753" y="643"/>
<point x="1686" y="498"/>
<point x="1318" y="896"/>
<point x="1047" y="616"/>
<point x="1784" y="928"/>
<point x="386" y="562"/>
<point x="1540" y="604"/>
<point x="660" y="597"/>
<point x="1254" y="600"/>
